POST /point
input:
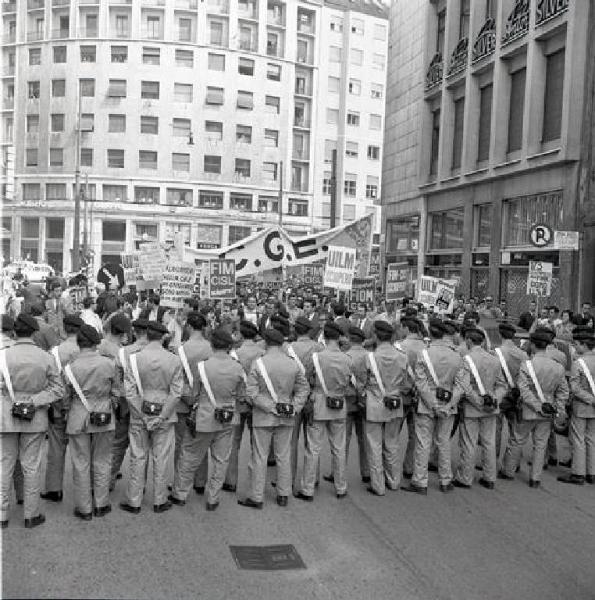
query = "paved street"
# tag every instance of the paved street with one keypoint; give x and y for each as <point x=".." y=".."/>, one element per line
<point x="513" y="542"/>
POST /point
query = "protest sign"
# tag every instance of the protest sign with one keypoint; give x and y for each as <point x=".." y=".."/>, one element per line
<point x="222" y="279"/>
<point x="362" y="290"/>
<point x="131" y="266"/>
<point x="436" y="292"/>
<point x="177" y="283"/>
<point x="539" y="278"/>
<point x="152" y="261"/>
<point x="340" y="267"/>
<point x="396" y="281"/>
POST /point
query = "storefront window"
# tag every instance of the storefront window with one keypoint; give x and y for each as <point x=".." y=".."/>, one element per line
<point x="446" y="229"/>
<point x="403" y="234"/>
<point x="520" y="214"/>
<point x="483" y="225"/>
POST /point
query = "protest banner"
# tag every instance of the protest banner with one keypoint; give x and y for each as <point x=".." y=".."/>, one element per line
<point x="539" y="278"/>
<point x="152" y="261"/>
<point x="177" y="283"/>
<point x="396" y="281"/>
<point x="222" y="279"/>
<point x="363" y="289"/>
<point x="340" y="268"/>
<point x="436" y="292"/>
<point x="131" y="266"/>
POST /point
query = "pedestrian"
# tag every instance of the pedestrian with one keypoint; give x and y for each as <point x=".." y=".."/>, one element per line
<point x="89" y="316"/>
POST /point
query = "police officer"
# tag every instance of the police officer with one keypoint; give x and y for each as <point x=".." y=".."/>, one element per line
<point x="153" y="384"/>
<point x="63" y="354"/>
<point x="333" y="370"/>
<point x="220" y="384"/>
<point x="544" y="391"/>
<point x="484" y="387"/>
<point x="582" y="421"/>
<point x="91" y="390"/>
<point x="246" y="354"/>
<point x="438" y="372"/>
<point x="30" y="383"/>
<point x="193" y="351"/>
<point x="277" y="389"/>
<point x="384" y="387"/>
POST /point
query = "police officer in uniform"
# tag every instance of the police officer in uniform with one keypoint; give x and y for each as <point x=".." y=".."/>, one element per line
<point x="30" y="383"/>
<point x="438" y="373"/>
<point x="219" y="384"/>
<point x="153" y="384"/>
<point x="63" y="354"/>
<point x="91" y="391"/>
<point x="483" y="386"/>
<point x="544" y="391"/>
<point x="277" y="389"/>
<point x="333" y="370"/>
<point x="247" y="353"/>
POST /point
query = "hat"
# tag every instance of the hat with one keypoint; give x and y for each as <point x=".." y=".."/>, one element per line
<point x="248" y="329"/>
<point x="356" y="334"/>
<point x="541" y="335"/>
<point x="7" y="323"/>
<point x="450" y="327"/>
<point x="437" y="328"/>
<point x="72" y="321"/>
<point x="332" y="331"/>
<point x="546" y="331"/>
<point x="221" y="338"/>
<point x="26" y="324"/>
<point x="119" y="323"/>
<point x="140" y="323"/>
<point x="383" y="329"/>
<point x="196" y="320"/>
<point x="507" y="330"/>
<point x="302" y="325"/>
<point x="280" y="323"/>
<point x="475" y="335"/>
<point x="273" y="337"/>
<point x="89" y="333"/>
<point x="156" y="326"/>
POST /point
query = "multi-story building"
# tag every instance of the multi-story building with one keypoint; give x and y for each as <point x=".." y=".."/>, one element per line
<point x="181" y="116"/>
<point x="485" y="135"/>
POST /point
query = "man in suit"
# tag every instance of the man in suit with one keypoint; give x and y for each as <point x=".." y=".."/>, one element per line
<point x="153" y="312"/>
<point x="265" y="320"/>
<point x="585" y="318"/>
<point x="339" y="318"/>
<point x="312" y="316"/>
<point x="526" y="319"/>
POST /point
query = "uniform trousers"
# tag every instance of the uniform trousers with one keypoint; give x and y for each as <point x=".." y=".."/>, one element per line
<point x="57" y="442"/>
<point x="539" y="431"/>
<point x="300" y="425"/>
<point x="279" y="438"/>
<point x="27" y="449"/>
<point x="193" y="453"/>
<point x="355" y="420"/>
<point x="501" y="423"/>
<point x="410" y="450"/>
<point x="582" y="441"/>
<point x="231" y="477"/>
<point x="471" y="431"/>
<point x="91" y="455"/>
<point x="335" y="429"/>
<point x="382" y="449"/>
<point x="202" y="472"/>
<point x="430" y="429"/>
<point x="119" y="445"/>
<point x="159" y="443"/>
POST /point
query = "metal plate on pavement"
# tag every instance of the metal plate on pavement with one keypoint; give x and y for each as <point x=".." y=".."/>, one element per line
<point x="267" y="558"/>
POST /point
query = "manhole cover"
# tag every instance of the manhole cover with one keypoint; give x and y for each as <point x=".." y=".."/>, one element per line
<point x="267" y="558"/>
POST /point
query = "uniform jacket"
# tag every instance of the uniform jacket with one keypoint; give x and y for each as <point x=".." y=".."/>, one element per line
<point x="492" y="377"/>
<point x="315" y="331"/>
<point x="45" y="337"/>
<point x="358" y="355"/>
<point x="550" y="375"/>
<point x="225" y="377"/>
<point x="392" y="368"/>
<point x="161" y="378"/>
<point x="111" y="350"/>
<point x="344" y="323"/>
<point x="289" y="383"/>
<point x="448" y="365"/>
<point x="412" y="346"/>
<point x="583" y="404"/>
<point x="247" y="353"/>
<point x="196" y="350"/>
<point x="35" y="379"/>
<point x="336" y="369"/>
<point x="557" y="355"/>
<point x="97" y="378"/>
<point x="304" y="347"/>
<point x="514" y="358"/>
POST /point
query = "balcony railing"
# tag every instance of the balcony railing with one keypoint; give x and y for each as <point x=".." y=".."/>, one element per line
<point x="186" y="4"/>
<point x="8" y="72"/>
<point x="248" y="46"/>
<point x="60" y="2"/>
<point x="247" y="11"/>
<point x="275" y="18"/>
<point x="301" y="122"/>
<point x="34" y="35"/>
<point x="8" y="7"/>
<point x="33" y="4"/>
<point x="8" y="103"/>
<point x="9" y="38"/>
<point x="220" y="7"/>
<point x="60" y="34"/>
<point x="307" y="28"/>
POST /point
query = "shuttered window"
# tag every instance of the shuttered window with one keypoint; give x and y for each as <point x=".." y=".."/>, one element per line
<point x="435" y="142"/>
<point x="517" y="107"/>
<point x="485" y="121"/>
<point x="554" y="86"/>
<point x="457" y="138"/>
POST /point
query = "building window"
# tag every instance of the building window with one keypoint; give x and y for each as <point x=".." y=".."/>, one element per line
<point x="372" y="183"/>
<point x="33" y="90"/>
<point x="57" y="123"/>
<point x="114" y="231"/>
<point x="171" y="229"/>
<point x="357" y="26"/>
<point x="248" y="38"/>
<point x="31" y="191"/>
<point x="56" y="157"/>
<point x="440" y="31"/>
<point x="91" y="25"/>
<point x="185" y="58"/>
<point x="244" y="134"/>
<point x="114" y="193"/>
<point x="119" y="54"/>
<point x="378" y="61"/>
<point x="147" y="159"/>
<point x="273" y="72"/>
<point x="336" y="24"/>
<point x="54" y="229"/>
<point x="332" y="116"/>
<point x="356" y="57"/>
<point x="271" y="138"/>
<point x="326" y="184"/>
<point x="151" y="56"/>
<point x="238" y="233"/>
<point x="34" y="56"/>
<point x="351" y="149"/>
<point x="87" y="87"/>
<point x="178" y="197"/>
<point x="183" y="92"/>
<point x="300" y="83"/>
<point x="403" y="234"/>
<point x="375" y="122"/>
<point x="154" y="27"/>
<point x="180" y="162"/>
<point x="214" y="95"/>
<point x="117" y="88"/>
<point x="457" y="139"/>
<point x="115" y="159"/>
<point x="273" y="48"/>
<point x="31" y="157"/>
<point x="215" y="33"/>
<point x="380" y="32"/>
<point x="334" y="84"/>
<point x="246" y="67"/>
<point x="245" y="100"/>
<point x="241" y="202"/>
<point x="353" y="119"/>
<point x="211" y="200"/>
<point x="242" y="167"/>
<point x="516" y="110"/>
<point x="122" y="30"/>
<point x="212" y="164"/>
<point x="87" y="123"/>
<point x="149" y="125"/>
<point x="59" y="88"/>
<point x="335" y="54"/>
<point x="184" y="30"/>
<point x="181" y="127"/>
<point x="59" y="54"/>
<point x="355" y="87"/>
<point x="149" y="90"/>
<point x="55" y="191"/>
<point x="377" y="91"/>
<point x="350" y="184"/>
<point x="329" y="147"/>
<point x="272" y="104"/>
<point x="216" y="62"/>
<point x="483" y="226"/>
<point x="268" y="204"/>
<point x="297" y="207"/>
<point x="435" y="142"/>
<point x="520" y="214"/>
<point x="146" y="195"/>
<point x="86" y="157"/>
<point x="554" y="89"/>
<point x="485" y="122"/>
<point x="214" y="131"/>
<point x="374" y="152"/>
<point x="269" y="171"/>
<point x="88" y="54"/>
<point x="446" y="229"/>
<point x="349" y="212"/>
<point x="32" y="123"/>
<point x="464" y="17"/>
<point x="146" y="231"/>
<point x="302" y="51"/>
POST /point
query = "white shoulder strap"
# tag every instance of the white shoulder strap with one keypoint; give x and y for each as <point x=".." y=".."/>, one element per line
<point x="473" y="367"/>
<point x="205" y="381"/>
<point x="430" y="366"/>
<point x="376" y="373"/>
<point x="136" y="375"/>
<point x="533" y="376"/>
<point x="587" y="373"/>
<point x="504" y="366"/>
<point x="295" y="357"/>
<point x="235" y="356"/>
<point x="77" y="387"/>
<point x="56" y="356"/>
<point x="319" y="373"/>
<point x="400" y="348"/>
<point x="267" y="380"/>
<point x="122" y="357"/>
<point x="6" y="374"/>
<point x="321" y="338"/>
<point x="184" y="359"/>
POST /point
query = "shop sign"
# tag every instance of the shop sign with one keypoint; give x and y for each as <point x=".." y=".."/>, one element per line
<point x="548" y="9"/>
<point x="435" y="70"/>
<point x="566" y="240"/>
<point x="485" y="43"/>
<point x="517" y="23"/>
<point x="541" y="235"/>
<point x="539" y="278"/>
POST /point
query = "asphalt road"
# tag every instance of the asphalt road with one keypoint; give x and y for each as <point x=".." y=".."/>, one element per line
<point x="510" y="543"/>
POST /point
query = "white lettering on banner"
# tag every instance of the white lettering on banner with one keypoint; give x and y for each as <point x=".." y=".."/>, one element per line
<point x="152" y="260"/>
<point x="177" y="283"/>
<point x="539" y="278"/>
<point x="222" y="279"/>
<point x="340" y="265"/>
<point x="436" y="292"/>
<point x="397" y="275"/>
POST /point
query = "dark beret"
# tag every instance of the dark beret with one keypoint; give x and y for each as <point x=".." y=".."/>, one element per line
<point x="26" y="323"/>
<point x="73" y="321"/>
<point x="438" y="325"/>
<point x="156" y="326"/>
<point x="7" y="323"/>
<point x="356" y="334"/>
<point x="507" y="330"/>
<point x="302" y="325"/>
<point x="196" y="320"/>
<point x="88" y="333"/>
<point x="221" y="338"/>
<point x="332" y="331"/>
<point x="541" y="335"/>
<point x="280" y="323"/>
<point x="546" y="331"/>
<point x="119" y="323"/>
<point x="140" y="323"/>
<point x="474" y="334"/>
<point x="273" y="337"/>
<point x="450" y="327"/>
<point x="248" y="329"/>
<point x="383" y="327"/>
<point x="410" y="323"/>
